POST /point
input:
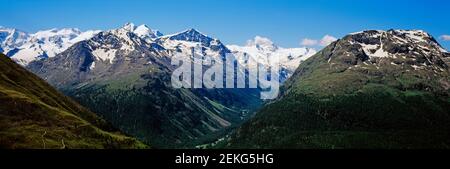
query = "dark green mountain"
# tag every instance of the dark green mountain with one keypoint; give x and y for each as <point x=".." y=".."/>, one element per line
<point x="34" y="115"/>
<point x="373" y="89"/>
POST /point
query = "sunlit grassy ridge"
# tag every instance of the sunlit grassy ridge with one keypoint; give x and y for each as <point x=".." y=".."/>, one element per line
<point x="34" y="115"/>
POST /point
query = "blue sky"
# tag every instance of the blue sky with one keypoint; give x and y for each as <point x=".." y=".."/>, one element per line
<point x="286" y="22"/>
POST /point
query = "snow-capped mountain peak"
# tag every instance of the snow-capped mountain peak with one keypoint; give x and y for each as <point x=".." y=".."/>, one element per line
<point x="184" y="41"/>
<point x="57" y="36"/>
<point x="42" y="44"/>
<point x="411" y="49"/>
<point x="378" y="43"/>
<point x="264" y="51"/>
<point x="191" y="35"/>
<point x="11" y="39"/>
<point x="262" y="43"/>
<point x="129" y="27"/>
<point x="48" y="43"/>
<point x="144" y="31"/>
<point x="112" y="45"/>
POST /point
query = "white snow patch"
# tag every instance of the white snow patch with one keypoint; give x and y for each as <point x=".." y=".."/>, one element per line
<point x="416" y="67"/>
<point x="105" y="54"/>
<point x="92" y="66"/>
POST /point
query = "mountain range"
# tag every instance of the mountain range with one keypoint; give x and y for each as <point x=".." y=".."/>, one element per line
<point x="126" y="80"/>
<point x="24" y="47"/>
<point x="369" y="89"/>
<point x="127" y="71"/>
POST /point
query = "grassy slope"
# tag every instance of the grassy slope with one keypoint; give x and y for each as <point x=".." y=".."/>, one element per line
<point x="34" y="115"/>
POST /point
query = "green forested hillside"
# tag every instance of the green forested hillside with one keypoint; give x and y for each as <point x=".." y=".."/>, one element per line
<point x="349" y="96"/>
